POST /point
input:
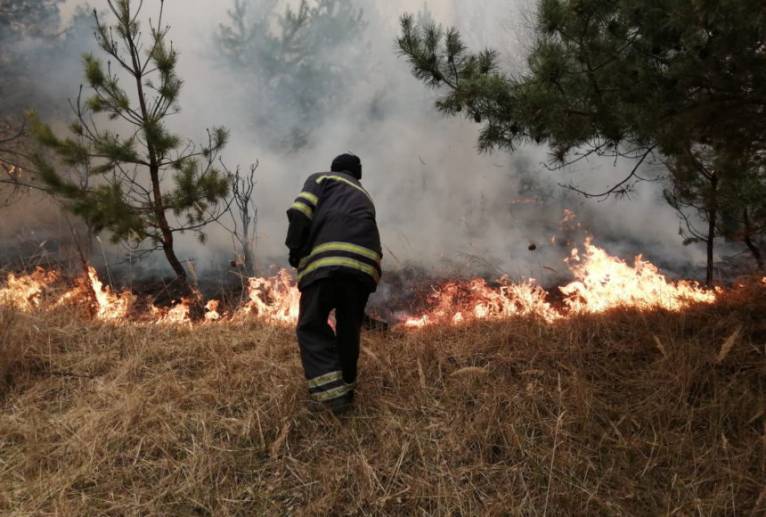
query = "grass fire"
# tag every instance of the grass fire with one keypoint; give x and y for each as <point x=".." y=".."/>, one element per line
<point x="340" y="257"/>
<point x="628" y="410"/>
<point x="601" y="283"/>
<point x="625" y="385"/>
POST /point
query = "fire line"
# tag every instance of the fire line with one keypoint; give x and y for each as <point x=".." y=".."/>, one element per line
<point x="600" y="282"/>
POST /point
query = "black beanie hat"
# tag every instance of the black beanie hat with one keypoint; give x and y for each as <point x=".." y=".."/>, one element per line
<point x="348" y="163"/>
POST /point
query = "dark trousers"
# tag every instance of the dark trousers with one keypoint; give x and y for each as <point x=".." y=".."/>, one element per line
<point x="330" y="358"/>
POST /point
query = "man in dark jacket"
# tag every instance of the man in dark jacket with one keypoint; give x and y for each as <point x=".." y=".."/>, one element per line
<point x="335" y="246"/>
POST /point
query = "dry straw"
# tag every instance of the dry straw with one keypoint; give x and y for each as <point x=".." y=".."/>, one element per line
<point x="626" y="413"/>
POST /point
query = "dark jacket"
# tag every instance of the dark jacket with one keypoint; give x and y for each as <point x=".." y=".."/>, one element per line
<point x="333" y="231"/>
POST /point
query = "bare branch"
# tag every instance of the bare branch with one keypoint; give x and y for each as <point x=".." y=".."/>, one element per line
<point x="18" y="134"/>
<point x="621" y="188"/>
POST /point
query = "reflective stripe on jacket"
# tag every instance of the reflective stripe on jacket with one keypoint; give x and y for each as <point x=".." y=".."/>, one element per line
<point x="333" y="230"/>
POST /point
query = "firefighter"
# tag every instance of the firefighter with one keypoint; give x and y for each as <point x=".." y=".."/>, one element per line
<point x="335" y="246"/>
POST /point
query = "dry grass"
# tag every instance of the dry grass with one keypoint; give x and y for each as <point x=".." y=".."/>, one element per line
<point x="625" y="413"/>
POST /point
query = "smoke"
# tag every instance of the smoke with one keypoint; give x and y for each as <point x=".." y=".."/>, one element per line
<point x="441" y="204"/>
<point x="40" y="70"/>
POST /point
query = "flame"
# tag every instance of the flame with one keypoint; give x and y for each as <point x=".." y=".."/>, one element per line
<point x="274" y="299"/>
<point x="602" y="282"/>
<point x="178" y="314"/>
<point x="90" y="290"/>
<point x="211" y="310"/>
<point x="25" y="292"/>
<point x="457" y="302"/>
<point x="181" y="312"/>
<point x="109" y="306"/>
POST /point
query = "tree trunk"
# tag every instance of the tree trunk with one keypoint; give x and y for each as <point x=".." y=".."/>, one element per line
<point x="154" y="173"/>
<point x="170" y="254"/>
<point x="752" y="246"/>
<point x="167" y="234"/>
<point x="712" y="212"/>
<point x="710" y="248"/>
<point x="249" y="260"/>
<point x="247" y="244"/>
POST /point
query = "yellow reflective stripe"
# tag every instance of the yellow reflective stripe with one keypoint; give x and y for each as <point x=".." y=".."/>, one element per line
<point x="311" y="198"/>
<point x="325" y="379"/>
<point x="304" y="208"/>
<point x="347" y="182"/>
<point x="334" y="393"/>
<point x="341" y="261"/>
<point x="346" y="246"/>
<point x="341" y="246"/>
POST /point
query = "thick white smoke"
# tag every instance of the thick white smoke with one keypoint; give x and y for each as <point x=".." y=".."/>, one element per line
<point x="440" y="203"/>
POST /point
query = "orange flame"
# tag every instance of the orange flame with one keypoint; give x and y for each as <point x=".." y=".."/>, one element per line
<point x="474" y="300"/>
<point x="109" y="306"/>
<point x="178" y="314"/>
<point x="604" y="282"/>
<point x="26" y="292"/>
<point x="211" y="310"/>
<point x="601" y="282"/>
<point x="275" y="299"/>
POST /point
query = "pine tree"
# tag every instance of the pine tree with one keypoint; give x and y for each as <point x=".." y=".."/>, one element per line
<point x="143" y="185"/>
<point x="293" y="56"/>
<point x="683" y="80"/>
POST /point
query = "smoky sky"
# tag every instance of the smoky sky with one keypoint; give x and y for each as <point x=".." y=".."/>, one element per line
<point x="441" y="204"/>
